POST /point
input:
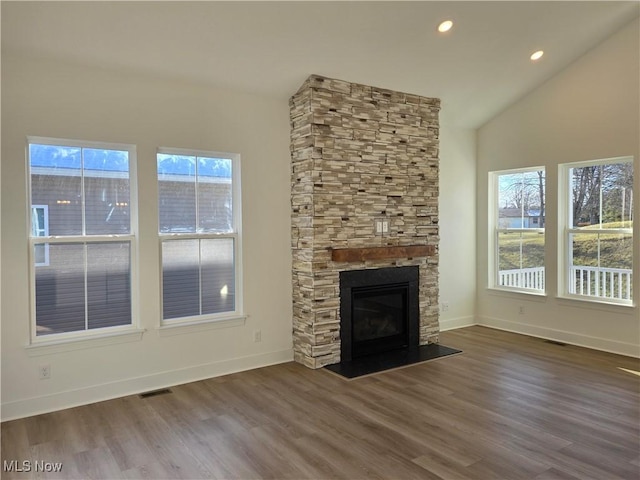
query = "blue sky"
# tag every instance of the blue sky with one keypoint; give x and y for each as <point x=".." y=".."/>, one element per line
<point x="118" y="161"/>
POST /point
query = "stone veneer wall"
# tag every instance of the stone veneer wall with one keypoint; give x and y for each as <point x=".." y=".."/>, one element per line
<point x="358" y="153"/>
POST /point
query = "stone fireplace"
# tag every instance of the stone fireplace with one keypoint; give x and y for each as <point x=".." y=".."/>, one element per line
<point x="364" y="196"/>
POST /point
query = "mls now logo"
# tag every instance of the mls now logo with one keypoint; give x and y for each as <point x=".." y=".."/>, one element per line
<point x="29" y="466"/>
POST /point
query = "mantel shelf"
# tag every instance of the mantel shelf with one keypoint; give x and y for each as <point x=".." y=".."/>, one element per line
<point x="381" y="253"/>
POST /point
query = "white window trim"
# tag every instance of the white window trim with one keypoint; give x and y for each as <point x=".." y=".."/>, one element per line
<point x="196" y="323"/>
<point x="565" y="231"/>
<point x="67" y="341"/>
<point x="80" y="343"/>
<point x="200" y="325"/>
<point x="494" y="230"/>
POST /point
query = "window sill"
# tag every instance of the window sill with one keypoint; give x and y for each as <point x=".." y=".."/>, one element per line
<point x="594" y="303"/>
<point x="181" y="328"/>
<point x="79" y="343"/>
<point x="510" y="292"/>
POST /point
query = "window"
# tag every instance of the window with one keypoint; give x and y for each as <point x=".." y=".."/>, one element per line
<point x="517" y="253"/>
<point x="199" y="209"/>
<point x="598" y="230"/>
<point x="82" y="236"/>
<point x="40" y="228"/>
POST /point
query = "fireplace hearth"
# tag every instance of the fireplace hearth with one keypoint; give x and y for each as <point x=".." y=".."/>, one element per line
<point x="380" y="322"/>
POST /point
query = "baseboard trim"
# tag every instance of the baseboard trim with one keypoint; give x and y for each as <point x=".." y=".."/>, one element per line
<point x="96" y="393"/>
<point x="459" y="322"/>
<point x="595" y="343"/>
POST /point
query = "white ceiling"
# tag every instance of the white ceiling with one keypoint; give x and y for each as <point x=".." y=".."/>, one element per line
<point x="479" y="68"/>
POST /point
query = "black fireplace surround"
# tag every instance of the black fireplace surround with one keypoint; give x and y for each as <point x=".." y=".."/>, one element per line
<point x="379" y="311"/>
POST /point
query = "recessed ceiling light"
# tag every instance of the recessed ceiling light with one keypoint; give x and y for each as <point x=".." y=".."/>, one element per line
<point x="537" y="55"/>
<point x="445" y="26"/>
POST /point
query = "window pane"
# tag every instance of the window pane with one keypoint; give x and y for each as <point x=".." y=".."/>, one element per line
<point x="521" y="260"/>
<point x="521" y="200"/>
<point x="601" y="195"/>
<point x="218" y="275"/>
<point x="177" y="193"/>
<point x="602" y="265"/>
<point x="106" y="186"/>
<point x="40" y="228"/>
<point x="56" y="182"/>
<point x="60" y="292"/>
<point x="39" y="221"/>
<point x="108" y="284"/>
<point x="41" y="254"/>
<point x="214" y="195"/>
<point x="180" y="278"/>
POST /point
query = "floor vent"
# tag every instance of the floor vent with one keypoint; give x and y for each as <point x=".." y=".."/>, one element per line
<point x="162" y="391"/>
<point x="555" y="342"/>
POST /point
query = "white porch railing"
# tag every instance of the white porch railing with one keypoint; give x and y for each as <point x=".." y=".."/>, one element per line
<point x="615" y="283"/>
<point x="601" y="282"/>
<point x="523" y="278"/>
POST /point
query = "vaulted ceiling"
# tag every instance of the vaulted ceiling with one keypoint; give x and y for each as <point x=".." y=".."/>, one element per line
<point x="478" y="68"/>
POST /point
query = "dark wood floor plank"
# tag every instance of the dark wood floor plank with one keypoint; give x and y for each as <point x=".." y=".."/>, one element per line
<point x="510" y="406"/>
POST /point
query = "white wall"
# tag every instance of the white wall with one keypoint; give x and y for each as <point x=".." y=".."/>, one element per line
<point x="46" y="98"/>
<point x="457" y="226"/>
<point x="589" y="111"/>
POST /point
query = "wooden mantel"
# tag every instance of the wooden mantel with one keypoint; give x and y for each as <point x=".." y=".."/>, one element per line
<point x="380" y="253"/>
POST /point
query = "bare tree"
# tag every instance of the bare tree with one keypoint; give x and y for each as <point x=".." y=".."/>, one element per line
<point x="602" y="193"/>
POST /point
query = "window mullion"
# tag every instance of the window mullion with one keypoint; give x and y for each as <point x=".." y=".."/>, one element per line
<point x="83" y="239"/>
<point x="83" y="204"/>
<point x="86" y="286"/>
<point x="601" y="169"/>
<point x="200" y="275"/>
<point x="599" y="265"/>
<point x="197" y="185"/>
<point x="83" y="212"/>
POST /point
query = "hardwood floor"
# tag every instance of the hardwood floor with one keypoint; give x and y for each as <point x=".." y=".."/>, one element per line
<point x="509" y="407"/>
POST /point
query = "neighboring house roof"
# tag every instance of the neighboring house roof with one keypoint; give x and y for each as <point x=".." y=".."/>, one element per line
<point x="62" y="160"/>
<point x="517" y="213"/>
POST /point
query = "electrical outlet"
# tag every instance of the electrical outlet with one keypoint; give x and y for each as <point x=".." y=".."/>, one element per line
<point x="381" y="226"/>
<point x="521" y="309"/>
<point x="445" y="306"/>
<point x="257" y="336"/>
<point x="44" y="372"/>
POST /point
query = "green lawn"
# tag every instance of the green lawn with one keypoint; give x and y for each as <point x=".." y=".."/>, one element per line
<point x="616" y="251"/>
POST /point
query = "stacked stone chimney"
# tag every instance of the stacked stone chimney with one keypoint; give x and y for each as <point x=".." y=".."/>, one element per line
<point x="360" y="155"/>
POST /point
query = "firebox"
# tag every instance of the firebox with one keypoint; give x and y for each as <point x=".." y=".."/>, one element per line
<point x="379" y="311"/>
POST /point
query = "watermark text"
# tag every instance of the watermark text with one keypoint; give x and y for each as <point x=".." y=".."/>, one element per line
<point x="27" y="466"/>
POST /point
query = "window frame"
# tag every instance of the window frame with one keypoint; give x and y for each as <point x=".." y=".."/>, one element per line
<point x="85" y="240"/>
<point x="566" y="230"/>
<point x="495" y="230"/>
<point x="207" y="320"/>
